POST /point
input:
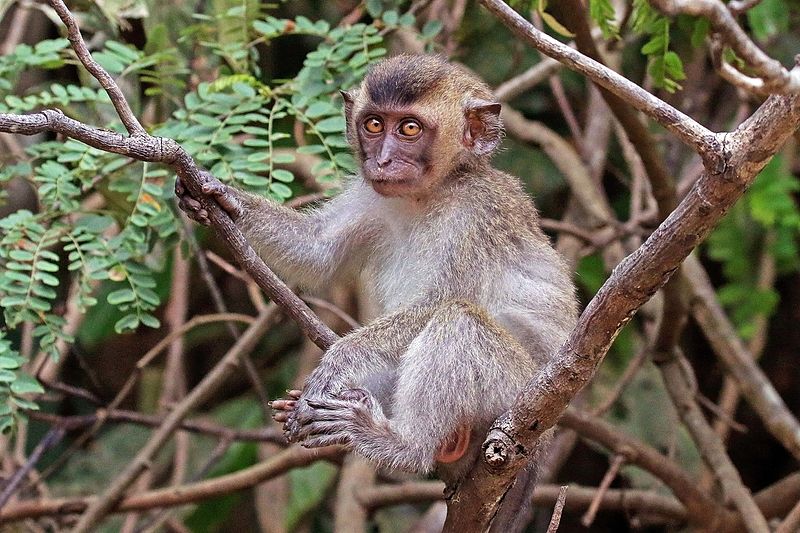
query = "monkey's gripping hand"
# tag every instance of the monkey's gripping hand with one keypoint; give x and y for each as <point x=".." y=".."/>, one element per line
<point x="327" y="420"/>
<point x="213" y="191"/>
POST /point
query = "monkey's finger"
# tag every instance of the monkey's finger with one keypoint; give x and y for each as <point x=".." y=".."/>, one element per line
<point x="283" y="405"/>
<point x="280" y="417"/>
<point x="229" y="204"/>
<point x="214" y="188"/>
<point x="294" y="393"/>
<point x="179" y="188"/>
<point x="189" y="204"/>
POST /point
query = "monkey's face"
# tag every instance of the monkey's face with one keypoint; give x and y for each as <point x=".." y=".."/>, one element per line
<point x="396" y="147"/>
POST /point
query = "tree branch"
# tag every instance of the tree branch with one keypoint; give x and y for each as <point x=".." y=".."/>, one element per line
<point x="179" y="495"/>
<point x="740" y="364"/>
<point x="686" y="129"/>
<point x="106" y="81"/>
<point x="742" y="154"/>
<point x="776" y="78"/>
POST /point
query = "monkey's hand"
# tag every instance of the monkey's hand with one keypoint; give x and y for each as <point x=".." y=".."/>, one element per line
<point x="340" y="419"/>
<point x="213" y="191"/>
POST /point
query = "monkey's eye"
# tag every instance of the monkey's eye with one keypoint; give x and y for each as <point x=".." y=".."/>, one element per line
<point x="410" y="128"/>
<point x="373" y="125"/>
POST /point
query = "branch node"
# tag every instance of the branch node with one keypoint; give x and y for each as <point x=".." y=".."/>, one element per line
<point x="499" y="449"/>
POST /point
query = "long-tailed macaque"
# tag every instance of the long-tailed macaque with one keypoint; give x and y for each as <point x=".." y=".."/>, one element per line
<point x="474" y="298"/>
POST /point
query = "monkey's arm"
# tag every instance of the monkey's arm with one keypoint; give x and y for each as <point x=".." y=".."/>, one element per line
<point x="308" y="248"/>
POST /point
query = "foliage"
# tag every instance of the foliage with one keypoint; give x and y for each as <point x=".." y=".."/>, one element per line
<point x="665" y="66"/>
<point x="766" y="221"/>
<point x="15" y="385"/>
<point x="239" y="125"/>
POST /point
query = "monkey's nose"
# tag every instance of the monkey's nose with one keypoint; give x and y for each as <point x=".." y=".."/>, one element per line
<point x="382" y="161"/>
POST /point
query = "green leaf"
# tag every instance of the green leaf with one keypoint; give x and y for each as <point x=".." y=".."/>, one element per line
<point x="311" y="149"/>
<point x="431" y="29"/>
<point x="282" y="175"/>
<point x="121" y="296"/>
<point x="9" y="363"/>
<point x="127" y="323"/>
<point x="150" y="321"/>
<point x="390" y="18"/>
<point x="768" y="18"/>
<point x="26" y="384"/>
<point x="320" y="109"/>
<point x="280" y="189"/>
<point x="331" y="125"/>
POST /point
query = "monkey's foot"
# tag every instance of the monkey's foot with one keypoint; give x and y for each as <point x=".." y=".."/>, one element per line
<point x="336" y="420"/>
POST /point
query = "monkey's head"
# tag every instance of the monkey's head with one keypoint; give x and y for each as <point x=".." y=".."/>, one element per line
<point x="416" y="118"/>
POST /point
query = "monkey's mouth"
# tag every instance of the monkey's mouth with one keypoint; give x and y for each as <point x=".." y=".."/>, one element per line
<point x="393" y="185"/>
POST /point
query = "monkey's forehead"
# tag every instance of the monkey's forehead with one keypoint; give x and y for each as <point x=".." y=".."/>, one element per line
<point x="406" y="79"/>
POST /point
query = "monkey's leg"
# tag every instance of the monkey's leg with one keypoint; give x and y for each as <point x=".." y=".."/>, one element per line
<point x="461" y="370"/>
<point x="357" y="359"/>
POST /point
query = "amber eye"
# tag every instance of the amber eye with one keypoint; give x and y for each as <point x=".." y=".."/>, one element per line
<point x="373" y="125"/>
<point x="410" y="128"/>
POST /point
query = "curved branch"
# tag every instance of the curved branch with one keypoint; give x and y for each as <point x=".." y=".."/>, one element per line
<point x="685" y="128"/>
<point x="106" y="81"/>
<point x="777" y="78"/>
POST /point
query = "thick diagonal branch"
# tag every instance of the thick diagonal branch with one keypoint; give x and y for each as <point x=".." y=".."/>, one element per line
<point x="744" y="153"/>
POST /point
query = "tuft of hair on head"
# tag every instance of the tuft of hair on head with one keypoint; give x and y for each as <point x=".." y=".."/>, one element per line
<point x="408" y="78"/>
<point x="404" y="79"/>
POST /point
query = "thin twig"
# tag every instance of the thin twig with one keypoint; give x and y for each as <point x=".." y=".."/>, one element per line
<point x="630" y="372"/>
<point x="293" y="457"/>
<point x="555" y="520"/>
<point x="605" y="484"/>
<point x="71" y="423"/>
<point x="740" y="364"/>
<point x="52" y="438"/>
<point x="106" y="81"/>
<point x="776" y="78"/>
<point x="152" y="523"/>
<point x="674" y="372"/>
<point x="791" y="524"/>
<point x="226" y="366"/>
<point x="219" y="303"/>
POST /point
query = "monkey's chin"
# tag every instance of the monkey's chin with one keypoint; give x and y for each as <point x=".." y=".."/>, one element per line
<point x="394" y="188"/>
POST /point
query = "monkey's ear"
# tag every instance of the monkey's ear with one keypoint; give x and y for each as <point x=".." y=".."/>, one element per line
<point x="349" y="101"/>
<point x="483" y="129"/>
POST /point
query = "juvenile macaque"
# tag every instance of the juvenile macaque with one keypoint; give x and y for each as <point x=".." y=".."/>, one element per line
<point x="474" y="299"/>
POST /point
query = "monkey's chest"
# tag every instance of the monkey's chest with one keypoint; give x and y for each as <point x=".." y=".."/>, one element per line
<point x="404" y="270"/>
